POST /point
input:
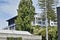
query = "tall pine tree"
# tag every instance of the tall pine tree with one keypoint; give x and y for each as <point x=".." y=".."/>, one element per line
<point x="51" y="7"/>
<point x="25" y="15"/>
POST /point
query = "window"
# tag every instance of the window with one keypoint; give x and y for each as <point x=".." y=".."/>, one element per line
<point x="51" y="23"/>
<point x="43" y="19"/>
<point x="43" y="23"/>
<point x="39" y="22"/>
<point x="39" y="18"/>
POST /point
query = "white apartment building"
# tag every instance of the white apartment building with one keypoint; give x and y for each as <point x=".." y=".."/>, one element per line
<point x="38" y="21"/>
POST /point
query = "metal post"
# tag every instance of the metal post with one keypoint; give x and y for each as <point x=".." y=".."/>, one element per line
<point x="46" y="20"/>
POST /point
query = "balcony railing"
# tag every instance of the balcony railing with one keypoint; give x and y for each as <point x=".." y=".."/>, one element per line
<point x="10" y="27"/>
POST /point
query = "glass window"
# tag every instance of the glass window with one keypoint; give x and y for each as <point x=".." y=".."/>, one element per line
<point x="43" y="19"/>
<point x="44" y="23"/>
<point x="39" y="22"/>
<point x="39" y="18"/>
<point x="51" y="23"/>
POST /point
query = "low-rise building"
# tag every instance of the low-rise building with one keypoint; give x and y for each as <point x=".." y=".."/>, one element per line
<point x="4" y="34"/>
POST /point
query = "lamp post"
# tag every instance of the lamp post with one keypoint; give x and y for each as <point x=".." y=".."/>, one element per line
<point x="46" y="20"/>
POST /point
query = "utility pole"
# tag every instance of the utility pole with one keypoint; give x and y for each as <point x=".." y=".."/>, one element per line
<point x="46" y="20"/>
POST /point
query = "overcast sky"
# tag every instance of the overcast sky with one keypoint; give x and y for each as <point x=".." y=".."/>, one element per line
<point x="8" y="10"/>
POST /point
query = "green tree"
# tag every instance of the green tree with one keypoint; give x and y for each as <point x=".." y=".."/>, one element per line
<point x="25" y="15"/>
<point x="52" y="32"/>
<point x="50" y="5"/>
<point x="49" y="8"/>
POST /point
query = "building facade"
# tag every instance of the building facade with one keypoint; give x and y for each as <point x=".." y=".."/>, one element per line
<point x="37" y="21"/>
<point x="11" y="24"/>
<point x="42" y="22"/>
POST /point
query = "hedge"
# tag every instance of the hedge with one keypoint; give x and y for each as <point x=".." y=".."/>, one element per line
<point x="12" y="38"/>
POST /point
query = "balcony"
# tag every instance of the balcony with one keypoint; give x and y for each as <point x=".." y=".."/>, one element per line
<point x="10" y="27"/>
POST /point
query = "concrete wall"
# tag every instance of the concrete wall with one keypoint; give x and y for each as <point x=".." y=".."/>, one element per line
<point x="3" y="36"/>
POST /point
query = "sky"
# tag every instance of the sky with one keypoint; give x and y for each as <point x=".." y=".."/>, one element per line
<point x="8" y="9"/>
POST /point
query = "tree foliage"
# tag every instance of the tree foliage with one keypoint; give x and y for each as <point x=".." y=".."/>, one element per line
<point x="12" y="38"/>
<point x="52" y="32"/>
<point x="50" y="5"/>
<point x="25" y="15"/>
